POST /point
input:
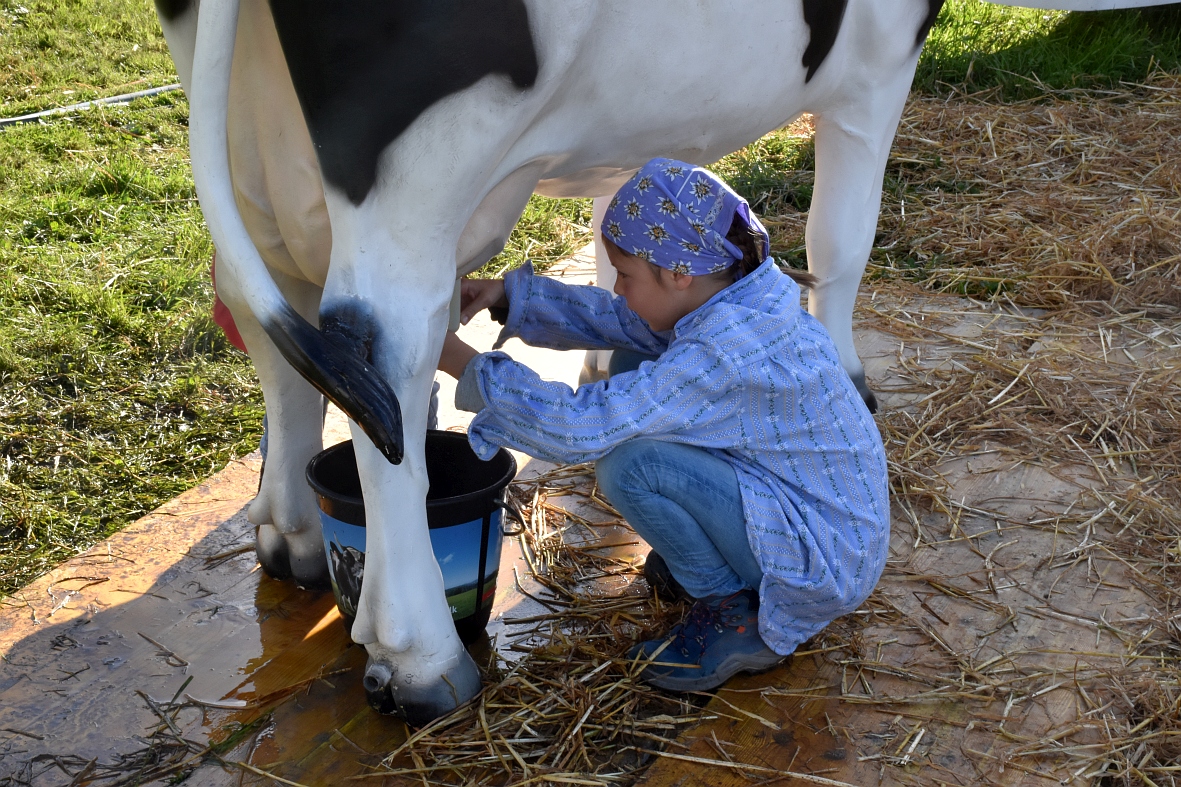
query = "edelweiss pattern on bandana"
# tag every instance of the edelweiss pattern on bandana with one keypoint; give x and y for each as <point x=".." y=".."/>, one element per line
<point x="677" y="215"/>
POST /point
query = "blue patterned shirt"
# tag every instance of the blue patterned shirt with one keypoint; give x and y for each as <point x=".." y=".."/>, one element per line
<point x="751" y="378"/>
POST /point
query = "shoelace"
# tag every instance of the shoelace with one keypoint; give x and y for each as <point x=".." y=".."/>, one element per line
<point x="704" y="618"/>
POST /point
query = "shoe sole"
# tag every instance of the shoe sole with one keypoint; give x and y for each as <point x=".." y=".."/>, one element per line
<point x="750" y="663"/>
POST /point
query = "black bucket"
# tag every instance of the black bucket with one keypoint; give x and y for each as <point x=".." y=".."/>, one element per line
<point x="465" y="513"/>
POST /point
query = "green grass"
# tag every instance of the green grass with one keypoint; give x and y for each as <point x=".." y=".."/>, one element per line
<point x="118" y="392"/>
<point x="55" y="52"/>
<point x="976" y="46"/>
<point x="549" y="230"/>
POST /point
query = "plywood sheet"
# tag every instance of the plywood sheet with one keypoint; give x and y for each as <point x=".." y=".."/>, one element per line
<point x="175" y="605"/>
<point x="976" y="661"/>
<point x="986" y="654"/>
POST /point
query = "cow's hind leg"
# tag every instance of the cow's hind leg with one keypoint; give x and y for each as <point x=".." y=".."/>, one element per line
<point x="852" y="146"/>
<point x="289" y="543"/>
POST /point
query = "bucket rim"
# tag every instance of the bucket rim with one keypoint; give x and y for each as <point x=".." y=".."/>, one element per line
<point x="323" y="491"/>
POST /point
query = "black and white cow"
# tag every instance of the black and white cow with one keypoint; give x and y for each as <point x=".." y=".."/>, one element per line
<point x="353" y="158"/>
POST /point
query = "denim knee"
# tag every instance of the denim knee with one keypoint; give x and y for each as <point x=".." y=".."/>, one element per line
<point x="622" y="469"/>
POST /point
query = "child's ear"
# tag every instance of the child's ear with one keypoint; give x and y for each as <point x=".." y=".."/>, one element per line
<point x="680" y="281"/>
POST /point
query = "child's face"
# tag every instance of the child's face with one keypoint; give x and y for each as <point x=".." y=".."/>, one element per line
<point x="656" y="296"/>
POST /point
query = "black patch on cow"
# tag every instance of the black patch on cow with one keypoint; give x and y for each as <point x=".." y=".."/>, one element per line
<point x="336" y="366"/>
<point x="824" y="23"/>
<point x="365" y="69"/>
<point x="933" y="9"/>
<point x="171" y="9"/>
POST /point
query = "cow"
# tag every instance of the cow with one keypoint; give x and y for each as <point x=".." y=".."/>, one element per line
<point x="353" y="159"/>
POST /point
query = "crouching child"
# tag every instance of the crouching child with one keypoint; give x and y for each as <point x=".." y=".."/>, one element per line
<point x="737" y="446"/>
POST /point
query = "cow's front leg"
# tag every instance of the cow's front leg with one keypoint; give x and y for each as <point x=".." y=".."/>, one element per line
<point x="594" y="366"/>
<point x="852" y="147"/>
<point x="290" y="544"/>
<point x="392" y="304"/>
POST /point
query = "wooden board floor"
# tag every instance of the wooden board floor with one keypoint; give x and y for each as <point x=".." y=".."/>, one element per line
<point x="175" y="605"/>
<point x="170" y="605"/>
<point x="968" y="654"/>
<point x="971" y="662"/>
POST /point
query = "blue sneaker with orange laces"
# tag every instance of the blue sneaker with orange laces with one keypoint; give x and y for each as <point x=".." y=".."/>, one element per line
<point x="718" y="639"/>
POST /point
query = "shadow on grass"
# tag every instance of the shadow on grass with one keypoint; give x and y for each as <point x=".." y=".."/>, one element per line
<point x="1022" y="52"/>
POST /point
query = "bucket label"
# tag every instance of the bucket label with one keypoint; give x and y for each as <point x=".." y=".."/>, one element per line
<point x="456" y="548"/>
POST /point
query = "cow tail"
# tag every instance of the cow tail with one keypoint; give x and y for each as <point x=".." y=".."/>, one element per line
<point x="335" y="369"/>
<point x="217" y="26"/>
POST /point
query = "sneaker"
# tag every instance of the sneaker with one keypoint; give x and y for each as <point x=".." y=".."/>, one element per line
<point x="662" y="581"/>
<point x="719" y="639"/>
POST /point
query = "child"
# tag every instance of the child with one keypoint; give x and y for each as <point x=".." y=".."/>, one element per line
<point x="743" y="453"/>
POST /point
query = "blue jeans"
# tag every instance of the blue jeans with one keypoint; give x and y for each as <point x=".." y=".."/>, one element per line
<point x="687" y="504"/>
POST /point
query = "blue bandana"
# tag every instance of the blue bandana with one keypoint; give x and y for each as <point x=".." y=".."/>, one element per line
<point x="676" y="215"/>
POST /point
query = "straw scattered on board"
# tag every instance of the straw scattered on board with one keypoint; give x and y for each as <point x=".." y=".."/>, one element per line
<point x="1057" y="227"/>
<point x="1034" y="472"/>
<point x="570" y="710"/>
<point x="1062" y="222"/>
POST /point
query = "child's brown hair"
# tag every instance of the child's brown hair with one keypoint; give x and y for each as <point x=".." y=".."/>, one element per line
<point x="751" y="245"/>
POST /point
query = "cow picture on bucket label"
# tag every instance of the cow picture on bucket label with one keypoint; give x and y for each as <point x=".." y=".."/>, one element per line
<point x="465" y="513"/>
<point x="458" y="561"/>
<point x="346" y="568"/>
<point x="353" y="160"/>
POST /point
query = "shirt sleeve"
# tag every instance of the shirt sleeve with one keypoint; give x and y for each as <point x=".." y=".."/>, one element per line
<point x="544" y="312"/>
<point x="684" y="396"/>
<point x="467" y="389"/>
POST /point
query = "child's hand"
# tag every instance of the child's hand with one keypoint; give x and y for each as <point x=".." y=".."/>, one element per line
<point x="477" y="294"/>
<point x="455" y="356"/>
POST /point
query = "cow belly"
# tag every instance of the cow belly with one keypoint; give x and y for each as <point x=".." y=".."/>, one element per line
<point x="276" y="176"/>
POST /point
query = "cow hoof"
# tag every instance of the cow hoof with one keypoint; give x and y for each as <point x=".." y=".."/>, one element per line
<point x="867" y="396"/>
<point x="273" y="554"/>
<point x="292" y="556"/>
<point x="420" y="705"/>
